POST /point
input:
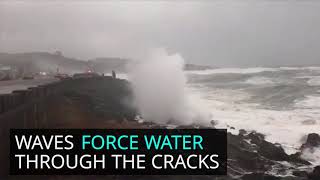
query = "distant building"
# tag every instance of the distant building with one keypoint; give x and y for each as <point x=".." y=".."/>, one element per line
<point x="7" y="72"/>
<point x="58" y="53"/>
<point x="5" y="67"/>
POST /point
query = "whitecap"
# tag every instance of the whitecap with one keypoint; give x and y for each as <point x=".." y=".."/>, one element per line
<point x="232" y="70"/>
<point x="314" y="81"/>
<point x="259" y="81"/>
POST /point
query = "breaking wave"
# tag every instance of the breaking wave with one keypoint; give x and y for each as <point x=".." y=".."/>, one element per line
<point x="232" y="70"/>
<point x="282" y="103"/>
<point x="314" y="81"/>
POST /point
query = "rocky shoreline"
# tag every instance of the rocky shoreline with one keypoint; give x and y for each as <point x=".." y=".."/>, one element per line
<point x="106" y="104"/>
<point x="250" y="156"/>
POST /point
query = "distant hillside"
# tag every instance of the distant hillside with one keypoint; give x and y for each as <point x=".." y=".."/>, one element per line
<point x="42" y="61"/>
<point x="194" y="67"/>
<point x="119" y="64"/>
<point x="50" y="62"/>
<point x="106" y="65"/>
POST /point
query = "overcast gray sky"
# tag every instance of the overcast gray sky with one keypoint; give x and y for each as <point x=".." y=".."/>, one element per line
<point x="219" y="33"/>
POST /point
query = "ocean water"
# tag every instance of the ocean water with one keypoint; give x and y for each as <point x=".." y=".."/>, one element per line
<point x="282" y="103"/>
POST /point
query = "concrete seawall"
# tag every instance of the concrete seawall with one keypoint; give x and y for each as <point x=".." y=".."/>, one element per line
<point x="48" y="106"/>
<point x="22" y="107"/>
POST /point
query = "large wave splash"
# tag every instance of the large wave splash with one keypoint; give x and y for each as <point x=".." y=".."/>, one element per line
<point x="159" y="86"/>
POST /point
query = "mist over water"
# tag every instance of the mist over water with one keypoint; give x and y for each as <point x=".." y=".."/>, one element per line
<point x="159" y="86"/>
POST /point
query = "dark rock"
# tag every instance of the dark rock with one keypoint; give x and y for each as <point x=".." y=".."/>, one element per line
<point x="300" y="173"/>
<point x="259" y="176"/>
<point x="297" y="159"/>
<point x="315" y="175"/>
<point x="262" y="176"/>
<point x="273" y="151"/>
<point x="213" y="122"/>
<point x="251" y="153"/>
<point x="255" y="136"/>
<point x="104" y="98"/>
<point x="243" y="155"/>
<point x="313" y="140"/>
<point x="242" y="132"/>
<point x="267" y="149"/>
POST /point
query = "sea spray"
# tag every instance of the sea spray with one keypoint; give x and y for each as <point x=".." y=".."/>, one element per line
<point x="159" y="86"/>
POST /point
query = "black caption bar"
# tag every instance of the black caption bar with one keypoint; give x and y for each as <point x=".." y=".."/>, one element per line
<point x="118" y="152"/>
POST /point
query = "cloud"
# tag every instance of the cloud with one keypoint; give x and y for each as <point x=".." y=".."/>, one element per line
<point x="229" y="33"/>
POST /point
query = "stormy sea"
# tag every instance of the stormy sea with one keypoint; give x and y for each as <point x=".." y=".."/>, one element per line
<point x="281" y="103"/>
<point x="272" y="114"/>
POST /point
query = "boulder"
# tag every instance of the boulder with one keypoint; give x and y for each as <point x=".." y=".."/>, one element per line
<point x="315" y="175"/>
<point x="267" y="149"/>
<point x="313" y="140"/>
<point x="273" y="151"/>
<point x="259" y="176"/>
<point x="300" y="173"/>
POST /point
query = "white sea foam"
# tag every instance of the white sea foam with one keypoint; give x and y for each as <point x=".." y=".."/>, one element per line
<point x="230" y="108"/>
<point x="122" y="76"/>
<point x="159" y="83"/>
<point x="312" y="155"/>
<point x="249" y="70"/>
<point x="232" y="70"/>
<point x="284" y="127"/>
<point x="315" y="68"/>
<point x="314" y="81"/>
<point x="312" y="68"/>
<point x="310" y="102"/>
<point x="259" y="81"/>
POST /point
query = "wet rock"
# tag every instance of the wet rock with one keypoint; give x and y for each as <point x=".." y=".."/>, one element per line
<point x="262" y="176"/>
<point x="313" y="140"/>
<point x="300" y="173"/>
<point x="250" y="156"/>
<point x="259" y="176"/>
<point x="267" y="149"/>
<point x="297" y="159"/>
<point x="315" y="175"/>
<point x="213" y="122"/>
<point x="242" y="132"/>
<point x="243" y="156"/>
<point x="273" y="151"/>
